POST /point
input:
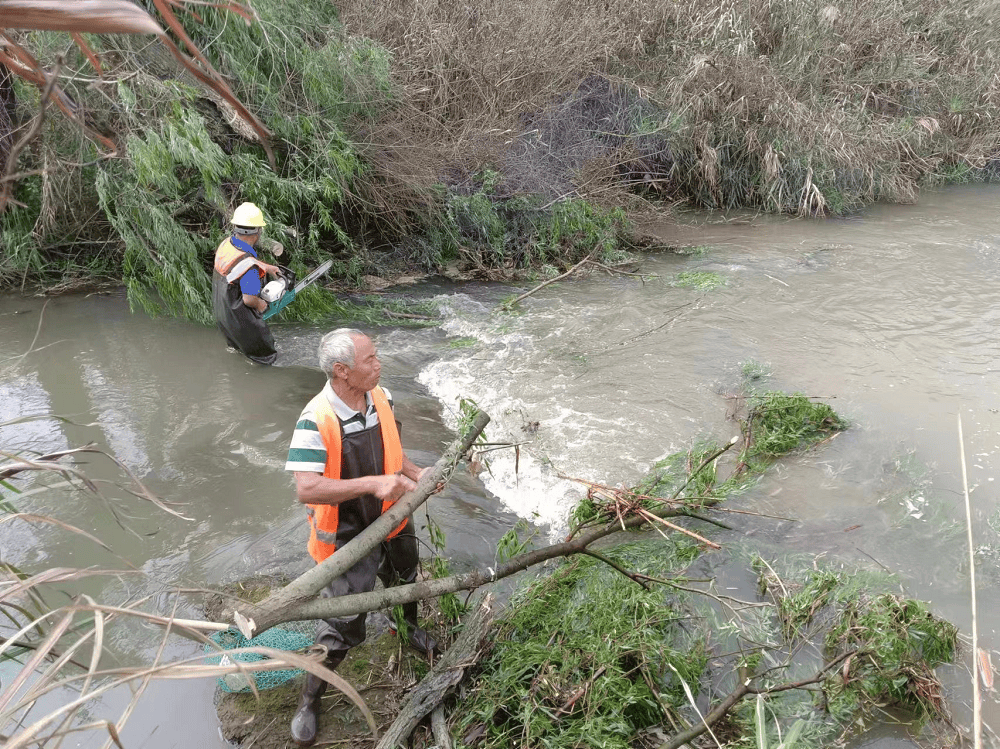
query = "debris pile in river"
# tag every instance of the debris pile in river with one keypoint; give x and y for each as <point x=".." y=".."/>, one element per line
<point x="774" y="424"/>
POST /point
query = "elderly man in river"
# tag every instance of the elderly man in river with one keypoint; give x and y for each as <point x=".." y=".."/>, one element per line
<point x="349" y="468"/>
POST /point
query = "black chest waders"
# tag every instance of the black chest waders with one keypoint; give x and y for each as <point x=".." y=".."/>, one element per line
<point x="243" y="327"/>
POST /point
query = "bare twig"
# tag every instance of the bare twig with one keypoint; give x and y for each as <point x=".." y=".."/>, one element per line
<point x="633" y="576"/>
<point x="651" y="517"/>
<point x="15" y="150"/>
<point x="525" y="295"/>
<point x="41" y="314"/>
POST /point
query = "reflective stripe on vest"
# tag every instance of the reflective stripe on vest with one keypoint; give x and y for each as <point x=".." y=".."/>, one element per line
<point x="231" y="262"/>
<point x="323" y="519"/>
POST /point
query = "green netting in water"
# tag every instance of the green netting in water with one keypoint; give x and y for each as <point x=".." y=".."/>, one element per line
<point x="278" y="639"/>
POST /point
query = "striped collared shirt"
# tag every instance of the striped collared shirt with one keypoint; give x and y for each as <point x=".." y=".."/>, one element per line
<point x="307" y="451"/>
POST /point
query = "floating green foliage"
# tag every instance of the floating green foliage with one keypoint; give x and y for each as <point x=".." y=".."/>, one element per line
<point x="700" y="280"/>
<point x="775" y="424"/>
<point x="693" y="251"/>
<point x="778" y="423"/>
<point x="898" y="641"/>
<point x="582" y="658"/>
<point x="902" y="643"/>
<point x="753" y="370"/>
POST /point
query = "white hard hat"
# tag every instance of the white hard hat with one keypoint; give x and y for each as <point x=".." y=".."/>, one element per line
<point x="248" y="215"/>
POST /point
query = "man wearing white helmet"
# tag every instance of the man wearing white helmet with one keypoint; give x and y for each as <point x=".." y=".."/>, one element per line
<point x="236" y="285"/>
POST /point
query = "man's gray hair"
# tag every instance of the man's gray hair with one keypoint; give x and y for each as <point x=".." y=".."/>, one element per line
<point x="337" y="346"/>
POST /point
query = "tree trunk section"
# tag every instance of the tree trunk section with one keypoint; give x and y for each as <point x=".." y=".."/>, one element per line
<point x="447" y="672"/>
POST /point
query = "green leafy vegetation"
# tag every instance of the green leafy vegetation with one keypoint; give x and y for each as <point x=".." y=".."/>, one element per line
<point x="898" y="642"/>
<point x="588" y="657"/>
<point x="432" y="135"/>
<point x="700" y="280"/>
<point x="582" y="659"/>
<point x="491" y="232"/>
<point x="773" y="425"/>
<point x="777" y="423"/>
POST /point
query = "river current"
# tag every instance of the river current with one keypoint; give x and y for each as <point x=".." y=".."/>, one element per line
<point x="887" y="315"/>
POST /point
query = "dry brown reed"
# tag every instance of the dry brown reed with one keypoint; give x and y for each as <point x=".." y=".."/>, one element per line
<point x="64" y="650"/>
<point x="806" y="106"/>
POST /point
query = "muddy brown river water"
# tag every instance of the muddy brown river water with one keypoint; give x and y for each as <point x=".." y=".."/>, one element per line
<point x="889" y="314"/>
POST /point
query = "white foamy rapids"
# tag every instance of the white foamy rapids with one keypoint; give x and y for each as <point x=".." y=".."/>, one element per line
<point x="501" y="374"/>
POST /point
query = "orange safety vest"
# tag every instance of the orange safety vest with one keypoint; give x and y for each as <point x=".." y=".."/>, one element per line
<point x="323" y="519"/>
<point x="231" y="262"/>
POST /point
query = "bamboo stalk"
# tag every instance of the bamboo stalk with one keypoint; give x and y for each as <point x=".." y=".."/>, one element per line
<point x="976" y="699"/>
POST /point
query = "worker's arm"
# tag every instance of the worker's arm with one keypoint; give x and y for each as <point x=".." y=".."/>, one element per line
<point x="255" y="302"/>
<point x="411" y="470"/>
<point x="316" y="489"/>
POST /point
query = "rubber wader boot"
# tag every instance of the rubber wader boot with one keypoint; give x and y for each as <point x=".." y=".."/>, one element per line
<point x="419" y="639"/>
<point x="304" y="722"/>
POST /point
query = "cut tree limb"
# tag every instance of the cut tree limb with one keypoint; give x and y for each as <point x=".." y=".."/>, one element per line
<point x="357" y="603"/>
<point x="447" y="672"/>
<point x="440" y="728"/>
<point x="254" y="619"/>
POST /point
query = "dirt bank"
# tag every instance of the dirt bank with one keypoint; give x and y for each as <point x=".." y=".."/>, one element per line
<point x="383" y="670"/>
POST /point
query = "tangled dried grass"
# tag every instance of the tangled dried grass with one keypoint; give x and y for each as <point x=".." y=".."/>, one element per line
<point x="66" y="649"/>
<point x="801" y="106"/>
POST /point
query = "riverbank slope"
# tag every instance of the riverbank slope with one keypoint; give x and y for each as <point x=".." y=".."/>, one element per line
<point x="491" y="139"/>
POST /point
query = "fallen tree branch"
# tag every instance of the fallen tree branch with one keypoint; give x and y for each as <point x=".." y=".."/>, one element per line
<point x="447" y="672"/>
<point x="440" y="728"/>
<point x="525" y="295"/>
<point x="357" y="603"/>
<point x="253" y="619"/>
<point x="745" y="687"/>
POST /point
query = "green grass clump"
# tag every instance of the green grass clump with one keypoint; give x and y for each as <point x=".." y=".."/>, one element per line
<point x="587" y="630"/>
<point x="778" y="423"/>
<point x="700" y="280"/>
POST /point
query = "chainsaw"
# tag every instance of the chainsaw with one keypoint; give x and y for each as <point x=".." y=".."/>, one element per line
<point x="280" y="292"/>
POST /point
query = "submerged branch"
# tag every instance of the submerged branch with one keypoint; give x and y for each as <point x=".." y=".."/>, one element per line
<point x="745" y="688"/>
<point x="525" y="295"/>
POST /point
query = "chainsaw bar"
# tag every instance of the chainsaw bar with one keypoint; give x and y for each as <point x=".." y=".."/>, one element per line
<point x="289" y="296"/>
<point x="311" y="278"/>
